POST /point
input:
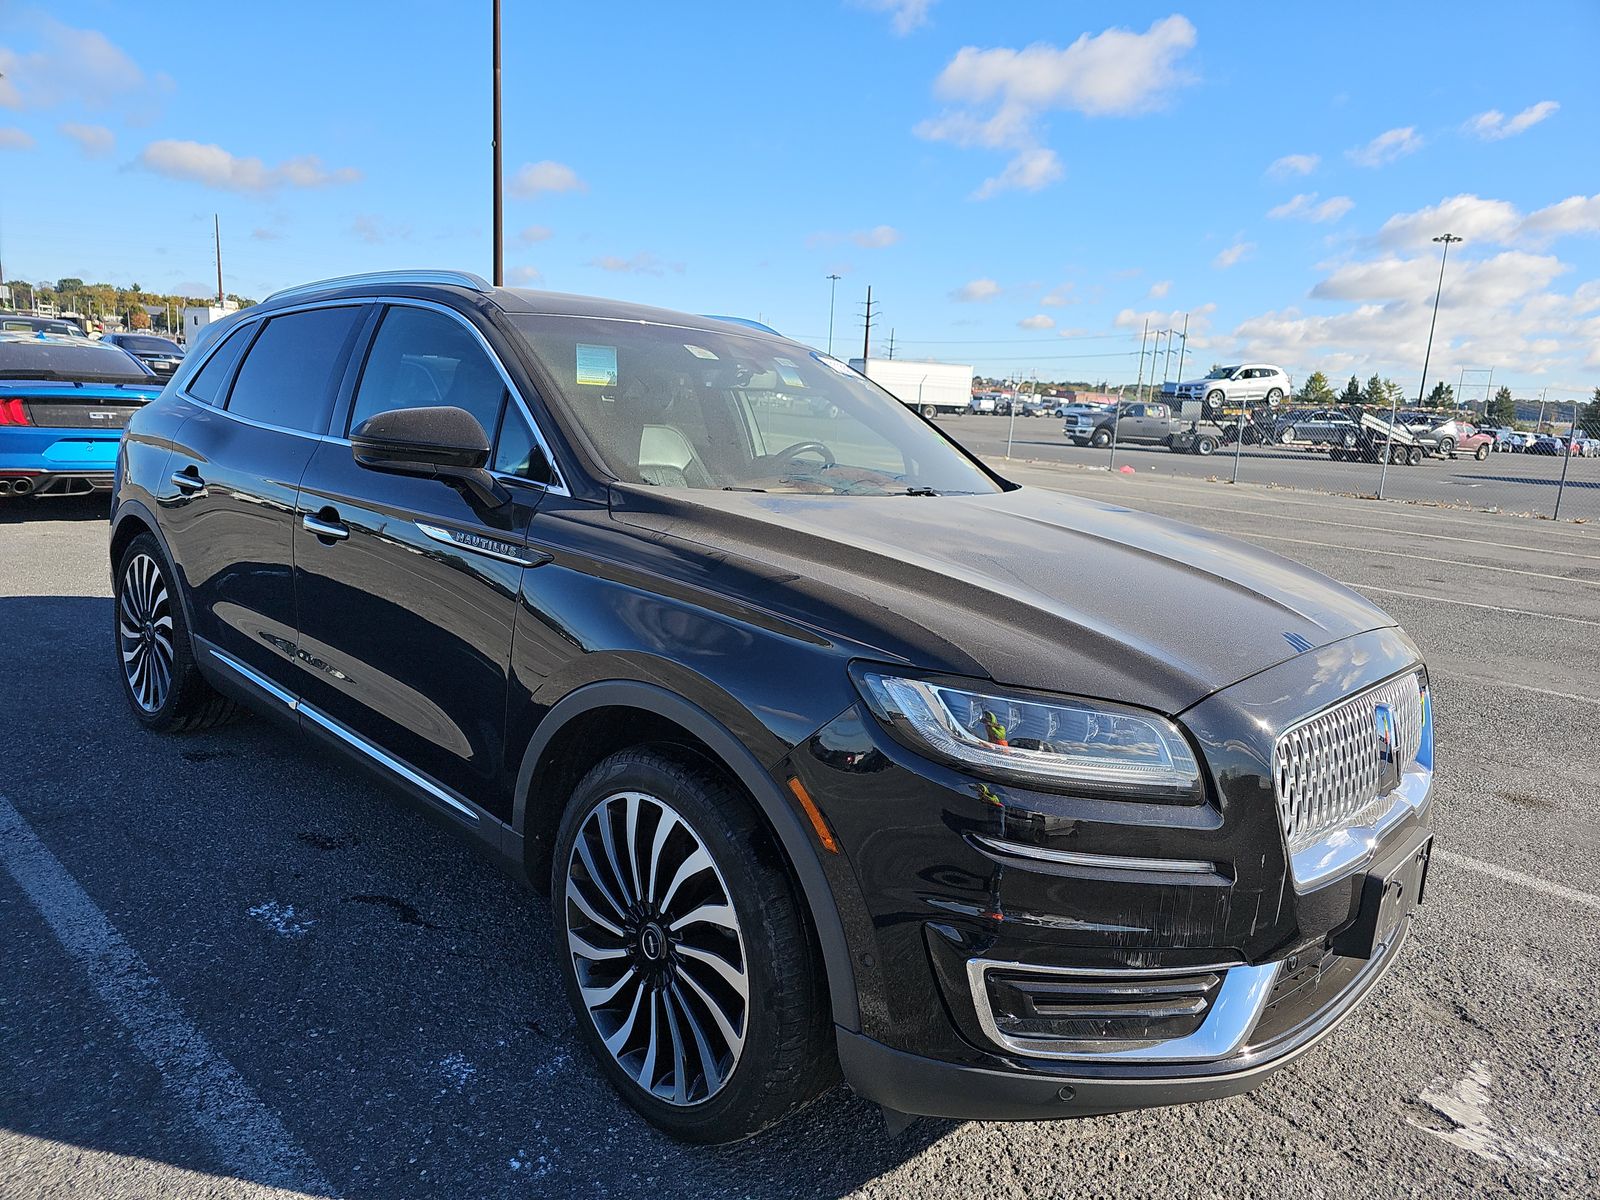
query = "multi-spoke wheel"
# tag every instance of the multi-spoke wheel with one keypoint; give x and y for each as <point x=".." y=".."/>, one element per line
<point x="690" y="966"/>
<point x="144" y="632"/>
<point x="154" y="658"/>
<point x="657" y="948"/>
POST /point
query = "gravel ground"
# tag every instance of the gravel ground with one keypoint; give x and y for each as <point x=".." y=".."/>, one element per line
<point x="293" y="944"/>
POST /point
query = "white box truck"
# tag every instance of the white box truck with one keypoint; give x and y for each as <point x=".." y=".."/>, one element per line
<point x="929" y="387"/>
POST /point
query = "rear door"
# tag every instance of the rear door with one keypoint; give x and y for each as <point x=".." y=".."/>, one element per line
<point x="407" y="587"/>
<point x="229" y="493"/>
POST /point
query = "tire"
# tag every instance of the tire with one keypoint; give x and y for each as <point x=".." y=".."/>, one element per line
<point x="1100" y="438"/>
<point x="1414" y="456"/>
<point x="1481" y="453"/>
<point x="771" y="1050"/>
<point x="1274" y="395"/>
<point x="929" y="411"/>
<point x="155" y="657"/>
<point x="1205" y="446"/>
<point x="1214" y="402"/>
<point x="1447" y="447"/>
<point x="1288" y="437"/>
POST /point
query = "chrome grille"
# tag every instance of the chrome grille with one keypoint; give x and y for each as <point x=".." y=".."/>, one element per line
<point x="1328" y="768"/>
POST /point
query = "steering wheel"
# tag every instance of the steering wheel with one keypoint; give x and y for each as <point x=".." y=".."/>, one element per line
<point x="789" y="453"/>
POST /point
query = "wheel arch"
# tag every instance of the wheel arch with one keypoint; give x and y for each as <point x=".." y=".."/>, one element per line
<point x="538" y="809"/>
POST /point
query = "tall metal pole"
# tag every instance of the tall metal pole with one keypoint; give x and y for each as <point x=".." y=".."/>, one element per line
<point x="833" y="289"/>
<point x="216" y="227"/>
<point x="866" y="335"/>
<point x="499" y="200"/>
<point x="1183" y="345"/>
<point x="1446" y="239"/>
<point x="1566" y="461"/>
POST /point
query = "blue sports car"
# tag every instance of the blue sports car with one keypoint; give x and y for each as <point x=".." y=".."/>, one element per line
<point x="64" y="402"/>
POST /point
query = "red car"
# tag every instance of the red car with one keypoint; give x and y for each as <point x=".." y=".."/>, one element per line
<point x="1474" y="442"/>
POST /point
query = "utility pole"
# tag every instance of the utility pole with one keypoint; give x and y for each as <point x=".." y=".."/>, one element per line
<point x="1447" y="240"/>
<point x="866" y="336"/>
<point x="499" y="201"/>
<point x="1138" y="385"/>
<point x="891" y="343"/>
<point x="1183" y="346"/>
<point x="216" y="228"/>
<point x="833" y="288"/>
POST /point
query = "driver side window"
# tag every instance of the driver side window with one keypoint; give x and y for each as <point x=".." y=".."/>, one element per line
<point x="423" y="359"/>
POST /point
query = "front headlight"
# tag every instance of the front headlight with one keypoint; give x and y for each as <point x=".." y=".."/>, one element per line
<point x="1088" y="747"/>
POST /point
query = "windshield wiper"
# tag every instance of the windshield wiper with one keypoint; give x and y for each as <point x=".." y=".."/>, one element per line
<point x="920" y="491"/>
<point x="728" y="487"/>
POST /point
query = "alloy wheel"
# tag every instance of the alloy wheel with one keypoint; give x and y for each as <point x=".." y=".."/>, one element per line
<point x="144" y="632"/>
<point x="657" y="948"/>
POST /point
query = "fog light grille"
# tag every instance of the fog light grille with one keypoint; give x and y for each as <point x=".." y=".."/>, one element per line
<point x="1100" y="1012"/>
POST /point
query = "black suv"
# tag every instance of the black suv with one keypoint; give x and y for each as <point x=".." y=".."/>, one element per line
<point x="835" y="749"/>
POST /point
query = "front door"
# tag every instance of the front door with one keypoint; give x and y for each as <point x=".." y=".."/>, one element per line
<point x="229" y="491"/>
<point x="407" y="587"/>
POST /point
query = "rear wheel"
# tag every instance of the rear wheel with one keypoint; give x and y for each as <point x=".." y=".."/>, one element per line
<point x="1274" y="395"/>
<point x="154" y="655"/>
<point x="686" y="952"/>
<point x="1205" y="445"/>
<point x="1482" y="452"/>
<point x="1414" y="456"/>
<point x="929" y="411"/>
<point x="1447" y="446"/>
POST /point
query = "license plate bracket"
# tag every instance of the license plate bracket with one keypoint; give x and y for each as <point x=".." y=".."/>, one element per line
<point x="1387" y="896"/>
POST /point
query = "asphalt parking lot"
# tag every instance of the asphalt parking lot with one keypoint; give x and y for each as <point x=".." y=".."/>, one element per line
<point x="1512" y="483"/>
<point x="233" y="966"/>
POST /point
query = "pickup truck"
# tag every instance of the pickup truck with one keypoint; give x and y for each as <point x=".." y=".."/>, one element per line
<point x="1142" y="424"/>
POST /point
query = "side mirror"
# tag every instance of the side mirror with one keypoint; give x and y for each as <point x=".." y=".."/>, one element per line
<point x="436" y="443"/>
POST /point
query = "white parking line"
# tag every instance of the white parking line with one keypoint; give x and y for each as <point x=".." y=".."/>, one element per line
<point x="1412" y="556"/>
<point x="216" y="1100"/>
<point x="1519" y="612"/>
<point x="1528" y="687"/>
<point x="1507" y="875"/>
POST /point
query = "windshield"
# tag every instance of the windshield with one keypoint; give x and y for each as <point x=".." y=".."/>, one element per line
<point x="78" y="359"/>
<point x="145" y="344"/>
<point x="1222" y="372"/>
<point x="688" y="408"/>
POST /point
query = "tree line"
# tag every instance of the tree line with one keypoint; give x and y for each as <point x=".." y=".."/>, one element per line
<point x="110" y="302"/>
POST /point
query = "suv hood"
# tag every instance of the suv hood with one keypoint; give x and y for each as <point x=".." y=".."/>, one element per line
<point x="1031" y="588"/>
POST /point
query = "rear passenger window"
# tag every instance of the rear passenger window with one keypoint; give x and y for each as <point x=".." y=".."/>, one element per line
<point x="209" y="379"/>
<point x="422" y="359"/>
<point x="288" y="378"/>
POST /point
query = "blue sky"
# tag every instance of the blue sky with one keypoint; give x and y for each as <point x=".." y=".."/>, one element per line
<point x="1022" y="183"/>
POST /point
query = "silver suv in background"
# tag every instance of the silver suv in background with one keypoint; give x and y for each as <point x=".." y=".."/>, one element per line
<point x="1248" y="383"/>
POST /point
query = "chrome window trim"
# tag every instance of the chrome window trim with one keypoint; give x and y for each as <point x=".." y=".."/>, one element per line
<point x="1225" y="1030"/>
<point x="296" y="705"/>
<point x="1105" y="862"/>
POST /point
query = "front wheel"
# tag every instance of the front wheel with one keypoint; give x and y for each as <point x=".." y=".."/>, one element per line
<point x="685" y="950"/>
<point x="1100" y="438"/>
<point x="1447" y="447"/>
<point x="155" y="658"/>
<point x="1481" y="453"/>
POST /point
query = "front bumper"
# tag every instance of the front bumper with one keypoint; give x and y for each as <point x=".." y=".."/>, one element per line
<point x="929" y="894"/>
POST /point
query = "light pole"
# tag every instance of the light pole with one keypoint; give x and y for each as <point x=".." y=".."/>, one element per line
<point x="1446" y="240"/>
<point x="499" y="202"/>
<point x="833" y="288"/>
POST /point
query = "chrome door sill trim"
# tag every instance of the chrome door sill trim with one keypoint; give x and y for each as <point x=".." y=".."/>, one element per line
<point x="294" y="704"/>
<point x="1104" y="862"/>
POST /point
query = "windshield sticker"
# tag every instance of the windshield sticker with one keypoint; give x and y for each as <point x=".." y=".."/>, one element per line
<point x="788" y="373"/>
<point x="834" y="363"/>
<point x="700" y="352"/>
<point x="597" y="365"/>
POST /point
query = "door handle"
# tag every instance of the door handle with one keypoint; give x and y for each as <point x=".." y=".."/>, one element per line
<point x="187" y="481"/>
<point x="324" y="528"/>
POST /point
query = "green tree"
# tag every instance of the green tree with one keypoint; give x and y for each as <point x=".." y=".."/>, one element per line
<point x="1375" y="393"/>
<point x="1352" y="392"/>
<point x="1502" y="410"/>
<point x="1589" y="416"/>
<point x="1316" y="390"/>
<point x="69" y="285"/>
<point x="1442" y="396"/>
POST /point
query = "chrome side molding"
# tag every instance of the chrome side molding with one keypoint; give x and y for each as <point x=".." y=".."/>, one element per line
<point x="1103" y="862"/>
<point x="476" y="543"/>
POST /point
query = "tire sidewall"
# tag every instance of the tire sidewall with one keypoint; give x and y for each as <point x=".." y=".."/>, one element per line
<point x="739" y="861"/>
<point x="182" y="653"/>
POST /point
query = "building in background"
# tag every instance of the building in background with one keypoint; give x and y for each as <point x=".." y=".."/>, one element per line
<point x="197" y="316"/>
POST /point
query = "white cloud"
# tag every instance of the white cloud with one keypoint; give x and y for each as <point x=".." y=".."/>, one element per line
<point x="1386" y="147"/>
<point x="263" y="234"/>
<point x="96" y="141"/>
<point x="1057" y="297"/>
<point x="876" y="237"/>
<point x="1294" y="164"/>
<point x="15" y="139"/>
<point x="213" y="166"/>
<point x="905" y="15"/>
<point x="1575" y="214"/>
<point x="1159" y="289"/>
<point x="1037" y="321"/>
<point x="1028" y="171"/>
<point x="643" y="263"/>
<point x="1235" y="253"/>
<point x="535" y="233"/>
<point x="75" y="66"/>
<point x="1492" y="126"/>
<point x="1305" y="207"/>
<point x="1466" y="216"/>
<point x="976" y="289"/>
<point x="520" y="276"/>
<point x="1000" y="95"/>
<point x="531" y="179"/>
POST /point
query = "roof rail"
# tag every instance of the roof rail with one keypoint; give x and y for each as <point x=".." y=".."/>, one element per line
<point x="448" y="278"/>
